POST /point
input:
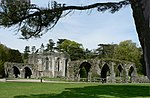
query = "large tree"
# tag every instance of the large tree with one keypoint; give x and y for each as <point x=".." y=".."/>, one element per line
<point x="33" y="20"/>
<point x="50" y="45"/>
<point x="8" y="55"/>
<point x="74" y="49"/>
<point x="14" y="56"/>
<point x="3" y="58"/>
<point x="128" y="51"/>
<point x="106" y="50"/>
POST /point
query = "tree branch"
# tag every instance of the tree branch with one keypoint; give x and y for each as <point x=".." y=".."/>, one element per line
<point x="34" y="19"/>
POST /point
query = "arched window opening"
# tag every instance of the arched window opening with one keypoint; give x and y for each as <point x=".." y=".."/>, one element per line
<point x="47" y="63"/>
<point x="16" y="71"/>
<point x="105" y="72"/>
<point x="131" y="71"/>
<point x="28" y="72"/>
<point x="120" y="69"/>
<point x="57" y="67"/>
<point x="84" y="70"/>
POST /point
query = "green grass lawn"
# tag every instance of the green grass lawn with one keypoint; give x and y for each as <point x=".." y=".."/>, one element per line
<point x="68" y="90"/>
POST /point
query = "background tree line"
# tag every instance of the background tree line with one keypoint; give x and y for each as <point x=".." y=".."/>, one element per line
<point x="125" y="50"/>
<point x="8" y="55"/>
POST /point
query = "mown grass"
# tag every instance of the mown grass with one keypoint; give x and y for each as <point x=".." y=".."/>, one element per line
<point x="74" y="90"/>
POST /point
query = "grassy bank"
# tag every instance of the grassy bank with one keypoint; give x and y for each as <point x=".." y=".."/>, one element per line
<point x="68" y="90"/>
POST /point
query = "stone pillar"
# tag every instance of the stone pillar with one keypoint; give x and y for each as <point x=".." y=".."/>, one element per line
<point x="22" y="73"/>
<point x="11" y="73"/>
<point x="89" y="76"/>
<point x="112" y="73"/>
<point x="53" y="66"/>
<point x="126" y="76"/>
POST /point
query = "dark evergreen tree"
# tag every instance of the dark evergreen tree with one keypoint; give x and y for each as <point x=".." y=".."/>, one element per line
<point x="50" y="45"/>
<point x="14" y="56"/>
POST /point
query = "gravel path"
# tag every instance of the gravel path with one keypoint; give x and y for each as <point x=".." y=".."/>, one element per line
<point x="36" y="80"/>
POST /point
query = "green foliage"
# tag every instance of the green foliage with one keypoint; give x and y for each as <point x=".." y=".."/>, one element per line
<point x="3" y="52"/>
<point x="1" y="68"/>
<point x="8" y="55"/>
<point x="26" y="53"/>
<point x="83" y="73"/>
<point x="59" y="42"/>
<point x="127" y="50"/>
<point x="74" y="49"/>
<point x="106" y="50"/>
<point x="3" y="58"/>
<point x="50" y="45"/>
<point x="90" y="54"/>
<point x="14" y="56"/>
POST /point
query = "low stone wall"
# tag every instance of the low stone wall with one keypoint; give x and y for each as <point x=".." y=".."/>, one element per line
<point x="2" y="80"/>
<point x="143" y="79"/>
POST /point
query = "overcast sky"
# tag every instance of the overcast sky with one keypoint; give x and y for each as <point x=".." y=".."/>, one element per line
<point x="89" y="28"/>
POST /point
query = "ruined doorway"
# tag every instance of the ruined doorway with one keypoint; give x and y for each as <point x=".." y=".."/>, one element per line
<point x="131" y="71"/>
<point x="16" y="71"/>
<point x="28" y="72"/>
<point x="119" y="74"/>
<point x="105" y="72"/>
<point x="84" y="70"/>
<point x="131" y="75"/>
<point x="120" y="70"/>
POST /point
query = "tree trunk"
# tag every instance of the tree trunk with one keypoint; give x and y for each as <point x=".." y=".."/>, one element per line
<point x="141" y="14"/>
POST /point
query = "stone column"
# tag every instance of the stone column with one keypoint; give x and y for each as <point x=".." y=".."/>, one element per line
<point x="89" y="76"/>
<point x="112" y="73"/>
<point x="11" y="73"/>
<point x="22" y="73"/>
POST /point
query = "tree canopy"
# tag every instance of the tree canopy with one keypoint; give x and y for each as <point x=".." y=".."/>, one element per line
<point x="127" y="50"/>
<point x="74" y="49"/>
<point x="8" y="55"/>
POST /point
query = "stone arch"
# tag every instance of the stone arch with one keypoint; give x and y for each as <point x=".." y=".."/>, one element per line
<point x="119" y="70"/>
<point x="119" y="73"/>
<point x="131" y="73"/>
<point x="16" y="71"/>
<point x="27" y="72"/>
<point x="84" y="69"/>
<point x="131" y="70"/>
<point x="105" y="71"/>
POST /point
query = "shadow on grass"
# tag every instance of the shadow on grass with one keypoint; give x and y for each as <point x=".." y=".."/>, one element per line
<point x="101" y="91"/>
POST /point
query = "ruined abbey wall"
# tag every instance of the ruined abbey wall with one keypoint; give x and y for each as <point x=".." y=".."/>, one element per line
<point x="45" y="64"/>
<point x="99" y="69"/>
<point x="52" y="64"/>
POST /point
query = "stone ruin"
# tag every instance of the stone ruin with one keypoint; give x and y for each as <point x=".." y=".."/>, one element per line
<point x="45" y="64"/>
<point x="56" y="64"/>
<point x="103" y="70"/>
